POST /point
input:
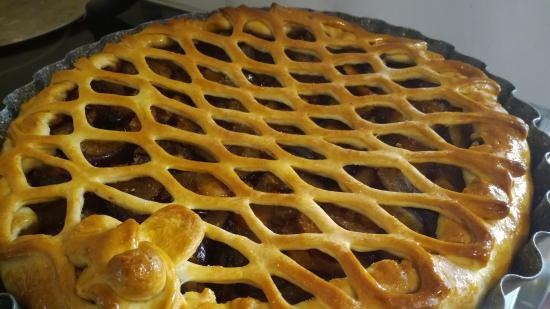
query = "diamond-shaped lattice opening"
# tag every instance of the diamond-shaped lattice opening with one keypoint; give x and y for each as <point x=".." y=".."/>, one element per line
<point x="216" y="76"/>
<point x="355" y="68"/>
<point x="236" y="224"/>
<point x="349" y="144"/>
<point x="284" y="220"/>
<point x="363" y="90"/>
<point x="214" y="217"/>
<point x="431" y="224"/>
<point x="434" y="106"/>
<point x="39" y="174"/>
<point x="302" y="152"/>
<point x="292" y="293"/>
<point x="96" y="205"/>
<point x="256" y="54"/>
<point x="115" y="118"/>
<point x="236" y="127"/>
<point x="229" y="221"/>
<point x="249" y="152"/>
<point x="299" y="32"/>
<point x="70" y="94"/>
<point x="350" y="219"/>
<point x="319" y="99"/>
<point x="330" y="124"/>
<point x="168" y="69"/>
<point x="318" y="181"/>
<point x="146" y="188"/>
<point x="120" y="66"/>
<point x="446" y="176"/>
<point x="423" y="221"/>
<point x="174" y="120"/>
<point x="219" y="25"/>
<point x="111" y="87"/>
<point x="301" y="55"/>
<point x="111" y="153"/>
<point x="227" y="103"/>
<point x="215" y="253"/>
<point x="58" y="153"/>
<point x="175" y="95"/>
<point x="417" y="83"/>
<point x="393" y="274"/>
<point x="50" y="217"/>
<point x="381" y="178"/>
<point x="369" y="257"/>
<point x="259" y="29"/>
<point x="168" y="44"/>
<point x="318" y="262"/>
<point x="61" y="124"/>
<point x="225" y="292"/>
<point x="211" y="50"/>
<point x="202" y="183"/>
<point x="310" y="78"/>
<point x="261" y="80"/>
<point x="345" y="49"/>
<point x="397" y="61"/>
<point x="286" y="128"/>
<point x="273" y="104"/>
<point x="379" y="114"/>
<point x="264" y="181"/>
<point x="187" y="151"/>
<point x="460" y="135"/>
<point x="405" y="142"/>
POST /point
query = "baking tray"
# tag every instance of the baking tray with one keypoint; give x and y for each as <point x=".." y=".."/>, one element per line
<point x="527" y="284"/>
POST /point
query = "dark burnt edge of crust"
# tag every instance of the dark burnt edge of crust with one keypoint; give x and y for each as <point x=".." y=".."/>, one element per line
<point x="539" y="141"/>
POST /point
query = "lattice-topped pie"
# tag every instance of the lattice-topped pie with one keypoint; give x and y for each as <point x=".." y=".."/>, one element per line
<point x="262" y="158"/>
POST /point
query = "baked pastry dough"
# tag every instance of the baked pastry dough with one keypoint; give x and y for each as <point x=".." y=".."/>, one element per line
<point x="262" y="158"/>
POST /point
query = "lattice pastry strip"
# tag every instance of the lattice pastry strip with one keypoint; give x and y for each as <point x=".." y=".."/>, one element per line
<point x="307" y="162"/>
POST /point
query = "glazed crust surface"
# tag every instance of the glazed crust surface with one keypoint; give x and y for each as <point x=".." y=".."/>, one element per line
<point x="403" y="182"/>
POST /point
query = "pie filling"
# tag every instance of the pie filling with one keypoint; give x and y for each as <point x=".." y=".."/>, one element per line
<point x="366" y="115"/>
<point x="277" y="218"/>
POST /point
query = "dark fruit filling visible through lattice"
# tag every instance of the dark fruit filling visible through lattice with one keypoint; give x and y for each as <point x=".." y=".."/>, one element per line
<point x="278" y="219"/>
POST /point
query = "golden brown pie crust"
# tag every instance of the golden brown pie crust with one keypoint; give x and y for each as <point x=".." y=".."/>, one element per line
<point x="358" y="138"/>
